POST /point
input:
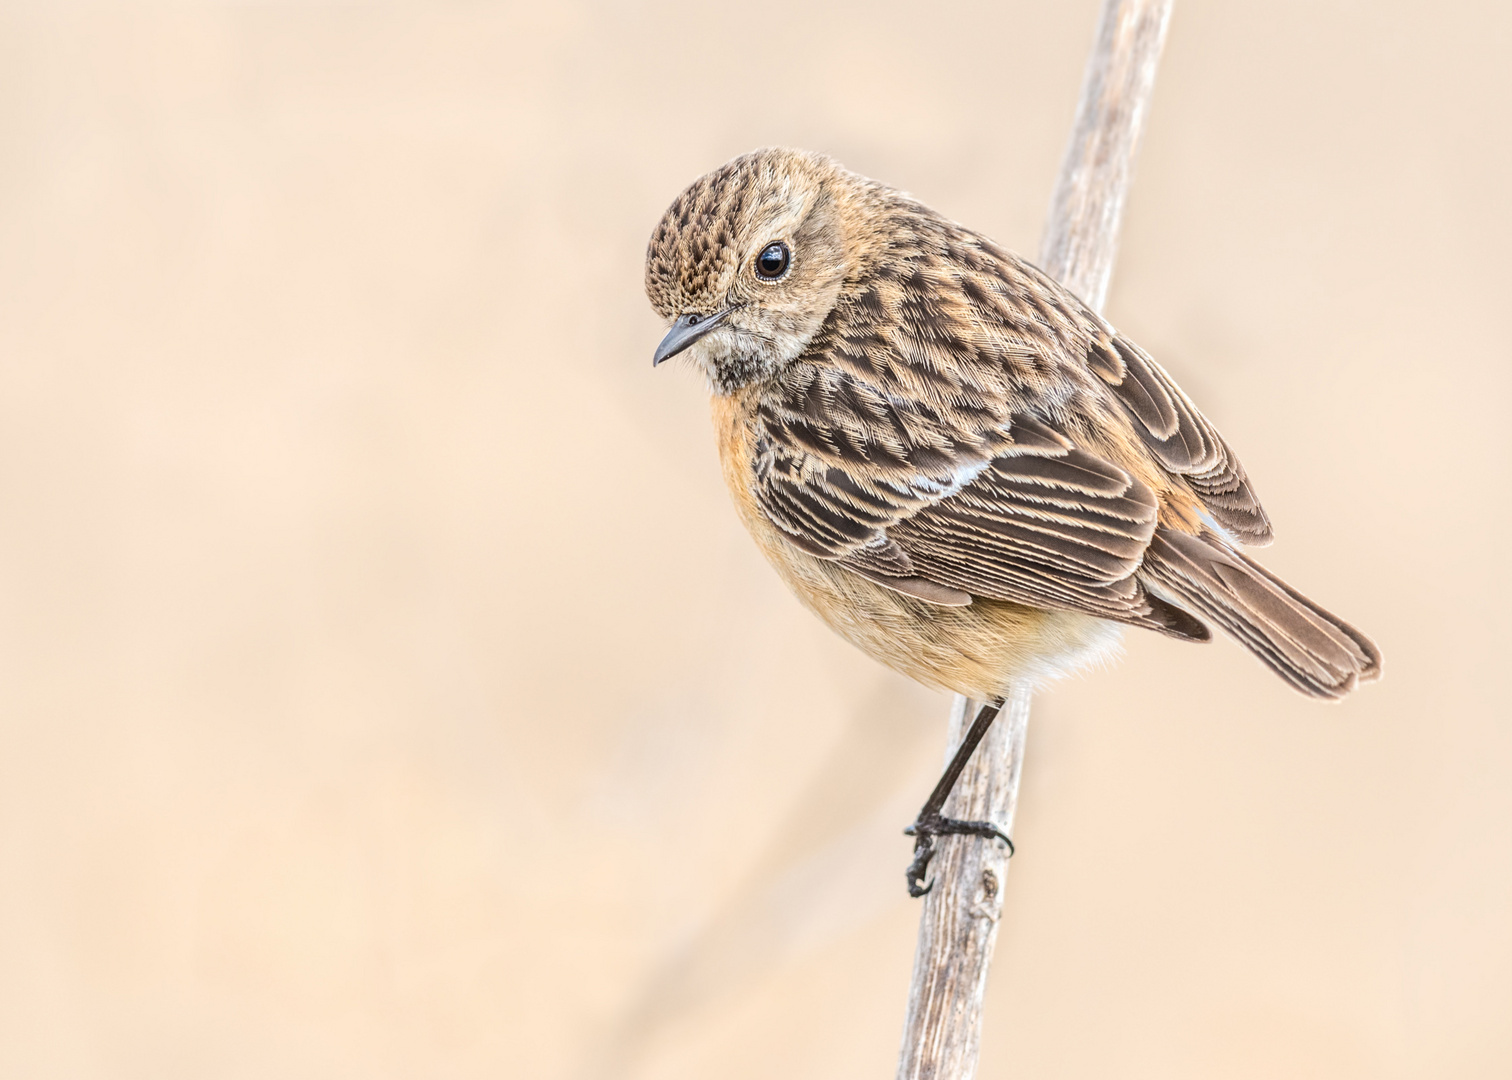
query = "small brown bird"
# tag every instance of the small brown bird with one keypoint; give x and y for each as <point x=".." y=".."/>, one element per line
<point x="952" y="460"/>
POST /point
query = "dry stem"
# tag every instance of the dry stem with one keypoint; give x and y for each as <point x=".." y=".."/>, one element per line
<point x="958" y="926"/>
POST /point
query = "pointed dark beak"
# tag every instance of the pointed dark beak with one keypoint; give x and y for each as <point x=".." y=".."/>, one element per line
<point x="685" y="331"/>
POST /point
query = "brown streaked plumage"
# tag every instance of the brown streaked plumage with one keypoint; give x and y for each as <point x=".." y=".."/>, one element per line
<point x="949" y="458"/>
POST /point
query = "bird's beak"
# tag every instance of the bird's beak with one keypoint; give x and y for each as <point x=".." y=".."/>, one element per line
<point x="685" y="331"/>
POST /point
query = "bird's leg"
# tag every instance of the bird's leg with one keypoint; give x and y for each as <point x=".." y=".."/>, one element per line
<point x="932" y="823"/>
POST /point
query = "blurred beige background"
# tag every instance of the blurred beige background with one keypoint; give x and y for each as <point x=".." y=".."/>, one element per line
<point x="389" y="691"/>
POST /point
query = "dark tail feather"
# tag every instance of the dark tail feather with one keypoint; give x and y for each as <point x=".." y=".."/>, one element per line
<point x="1309" y="648"/>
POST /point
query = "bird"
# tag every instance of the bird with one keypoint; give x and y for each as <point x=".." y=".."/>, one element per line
<point x="953" y="461"/>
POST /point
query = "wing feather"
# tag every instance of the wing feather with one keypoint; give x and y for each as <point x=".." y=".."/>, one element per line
<point x="1182" y="439"/>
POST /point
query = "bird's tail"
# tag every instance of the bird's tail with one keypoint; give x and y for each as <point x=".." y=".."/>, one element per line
<point x="1316" y="652"/>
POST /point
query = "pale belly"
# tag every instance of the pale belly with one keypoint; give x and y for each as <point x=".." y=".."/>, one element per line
<point x="978" y="650"/>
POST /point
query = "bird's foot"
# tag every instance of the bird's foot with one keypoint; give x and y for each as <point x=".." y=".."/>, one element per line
<point x="930" y="826"/>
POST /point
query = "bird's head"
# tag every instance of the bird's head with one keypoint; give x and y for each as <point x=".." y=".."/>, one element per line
<point x="749" y="260"/>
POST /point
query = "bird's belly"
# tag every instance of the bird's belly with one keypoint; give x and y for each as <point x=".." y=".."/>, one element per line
<point x="976" y="650"/>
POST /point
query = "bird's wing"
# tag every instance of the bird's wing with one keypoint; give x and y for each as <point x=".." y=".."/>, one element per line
<point x="1015" y="512"/>
<point x="1178" y="436"/>
<point x="1181" y="438"/>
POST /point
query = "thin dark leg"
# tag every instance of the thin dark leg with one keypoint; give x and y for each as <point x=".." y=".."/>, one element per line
<point x="932" y="823"/>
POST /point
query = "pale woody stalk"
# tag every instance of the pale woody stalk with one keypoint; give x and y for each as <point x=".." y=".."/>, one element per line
<point x="959" y="923"/>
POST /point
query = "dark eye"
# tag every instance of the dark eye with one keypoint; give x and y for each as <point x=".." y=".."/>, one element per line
<point x="773" y="261"/>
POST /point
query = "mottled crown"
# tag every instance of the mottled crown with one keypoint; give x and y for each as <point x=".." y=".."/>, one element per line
<point x="701" y="241"/>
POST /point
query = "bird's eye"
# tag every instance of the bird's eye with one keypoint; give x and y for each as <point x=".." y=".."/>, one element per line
<point x="772" y="263"/>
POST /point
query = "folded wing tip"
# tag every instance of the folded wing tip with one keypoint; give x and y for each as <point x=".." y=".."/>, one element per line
<point x="917" y="587"/>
